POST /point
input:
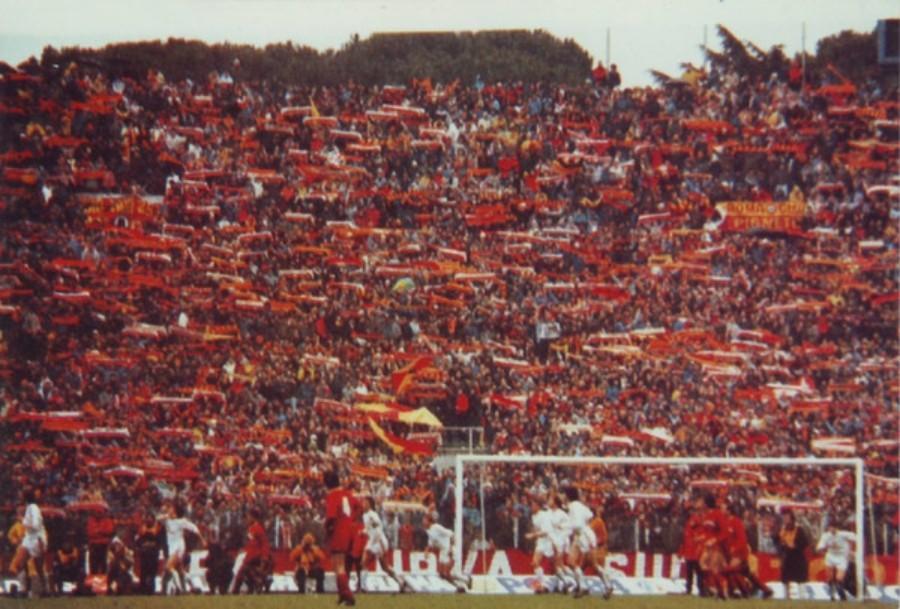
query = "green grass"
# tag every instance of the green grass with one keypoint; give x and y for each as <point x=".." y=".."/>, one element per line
<point x="413" y="601"/>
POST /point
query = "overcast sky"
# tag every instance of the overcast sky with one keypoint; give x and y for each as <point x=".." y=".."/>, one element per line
<point x="645" y="34"/>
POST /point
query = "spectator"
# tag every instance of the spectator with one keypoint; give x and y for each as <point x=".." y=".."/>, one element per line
<point x="100" y="531"/>
<point x="119" y="561"/>
<point x="599" y="74"/>
<point x="219" y="569"/>
<point x="311" y="562"/>
<point x="613" y="79"/>
<point x="148" y="543"/>
<point x="792" y="544"/>
<point x="68" y="568"/>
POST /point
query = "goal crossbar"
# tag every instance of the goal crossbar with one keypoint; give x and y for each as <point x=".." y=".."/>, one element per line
<point x="856" y="463"/>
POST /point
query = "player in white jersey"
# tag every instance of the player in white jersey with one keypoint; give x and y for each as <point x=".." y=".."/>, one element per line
<point x="541" y="532"/>
<point x="176" y="524"/>
<point x="560" y="537"/>
<point x="583" y="539"/>
<point x="837" y="557"/>
<point x="560" y="531"/>
<point x="377" y="544"/>
<point x="33" y="544"/>
<point x="440" y="539"/>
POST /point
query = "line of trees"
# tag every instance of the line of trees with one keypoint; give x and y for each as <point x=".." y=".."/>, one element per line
<point x="853" y="55"/>
<point x="507" y="55"/>
<point x="380" y="59"/>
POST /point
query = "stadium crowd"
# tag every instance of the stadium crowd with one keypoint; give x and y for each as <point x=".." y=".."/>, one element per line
<point x="214" y="292"/>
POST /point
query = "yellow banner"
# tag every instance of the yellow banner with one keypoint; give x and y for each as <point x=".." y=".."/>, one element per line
<point x="766" y="215"/>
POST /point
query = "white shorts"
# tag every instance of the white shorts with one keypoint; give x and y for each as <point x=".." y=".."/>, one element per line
<point x="444" y="557"/>
<point x="836" y="562"/>
<point x="177" y="551"/>
<point x="377" y="545"/>
<point x="34" y="545"/>
<point x="544" y="547"/>
<point x="560" y="545"/>
<point x="585" y="540"/>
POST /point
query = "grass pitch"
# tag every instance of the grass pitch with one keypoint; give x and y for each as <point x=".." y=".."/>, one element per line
<point x="413" y="601"/>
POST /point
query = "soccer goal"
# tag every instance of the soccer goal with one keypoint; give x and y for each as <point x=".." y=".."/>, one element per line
<point x="814" y="489"/>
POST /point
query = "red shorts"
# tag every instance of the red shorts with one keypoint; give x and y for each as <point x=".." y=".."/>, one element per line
<point x="742" y="553"/>
<point x="359" y="544"/>
<point x="341" y="541"/>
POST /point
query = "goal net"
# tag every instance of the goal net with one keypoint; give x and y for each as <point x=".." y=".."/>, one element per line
<point x="646" y="502"/>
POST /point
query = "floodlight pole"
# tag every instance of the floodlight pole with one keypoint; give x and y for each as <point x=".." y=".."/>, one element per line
<point x="803" y="56"/>
<point x="607" y="49"/>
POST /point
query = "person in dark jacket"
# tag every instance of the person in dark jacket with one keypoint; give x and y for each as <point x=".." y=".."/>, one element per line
<point x="68" y="567"/>
<point x="148" y="542"/>
<point x="613" y="79"/>
<point x="219" y="569"/>
<point x="792" y="542"/>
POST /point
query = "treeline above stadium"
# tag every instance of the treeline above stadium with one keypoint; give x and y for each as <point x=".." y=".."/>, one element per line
<point x="501" y="55"/>
<point x="508" y="55"/>
<point x="847" y="55"/>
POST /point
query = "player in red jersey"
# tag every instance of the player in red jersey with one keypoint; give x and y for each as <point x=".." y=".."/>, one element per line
<point x="257" y="557"/>
<point x="712" y="554"/>
<point x="737" y="551"/>
<point x="737" y="569"/>
<point x="354" y="560"/>
<point x="340" y="508"/>
<point x="691" y="547"/>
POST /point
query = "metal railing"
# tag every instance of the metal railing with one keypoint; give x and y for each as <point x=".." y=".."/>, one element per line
<point x="462" y="439"/>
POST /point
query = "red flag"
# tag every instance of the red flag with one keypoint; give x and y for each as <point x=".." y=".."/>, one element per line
<point x="401" y="445"/>
<point x="881" y="299"/>
<point x="403" y="377"/>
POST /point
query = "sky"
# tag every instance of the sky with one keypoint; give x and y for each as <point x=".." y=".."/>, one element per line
<point x="643" y="34"/>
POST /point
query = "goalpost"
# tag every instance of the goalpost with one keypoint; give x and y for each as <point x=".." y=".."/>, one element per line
<point x="857" y="464"/>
